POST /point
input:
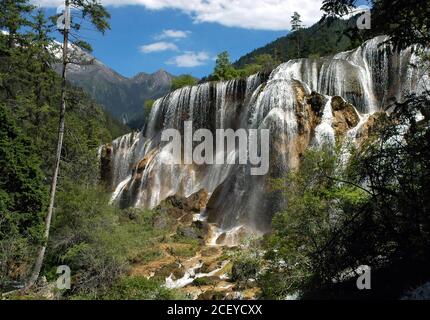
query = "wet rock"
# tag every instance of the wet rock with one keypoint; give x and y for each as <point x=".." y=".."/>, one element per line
<point x="194" y="203"/>
<point x="202" y="225"/>
<point x="316" y="101"/>
<point x="344" y="116"/>
<point x="106" y="164"/>
<point x="168" y="269"/>
<point x="141" y="166"/>
<point x="212" y="295"/>
<point x="221" y="239"/>
<point x="189" y="232"/>
<point x="209" y="251"/>
<point x="187" y="218"/>
<point x="198" y="201"/>
<point x="210" y="265"/>
<point x="251" y="283"/>
<point x="366" y="130"/>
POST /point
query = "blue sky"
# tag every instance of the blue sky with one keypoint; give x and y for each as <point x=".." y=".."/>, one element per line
<point x="133" y="27"/>
<point x="184" y="36"/>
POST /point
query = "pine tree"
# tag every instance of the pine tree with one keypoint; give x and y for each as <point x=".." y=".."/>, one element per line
<point x="224" y="70"/>
<point x="296" y="26"/>
<point x="14" y="14"/>
<point x="22" y="195"/>
<point x="98" y="16"/>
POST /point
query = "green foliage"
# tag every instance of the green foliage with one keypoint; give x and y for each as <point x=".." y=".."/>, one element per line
<point x="183" y="81"/>
<point x="373" y="212"/>
<point x="322" y="39"/>
<point x="148" y="108"/>
<point x="296" y="22"/>
<point x="140" y="288"/>
<point x="318" y="207"/>
<point x="246" y="261"/>
<point x="224" y="70"/>
<point x="22" y="198"/>
<point x="93" y="11"/>
<point x="406" y="22"/>
<point x="200" y="282"/>
<point x="98" y="241"/>
<point x="30" y="95"/>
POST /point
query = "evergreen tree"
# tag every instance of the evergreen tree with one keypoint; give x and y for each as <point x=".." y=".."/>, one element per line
<point x="224" y="70"/>
<point x="14" y="15"/>
<point x="406" y="22"/>
<point x="296" y="26"/>
<point x="98" y="16"/>
<point x="22" y="197"/>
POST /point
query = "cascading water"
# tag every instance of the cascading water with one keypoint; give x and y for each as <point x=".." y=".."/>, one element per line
<point x="368" y="77"/>
<point x="324" y="132"/>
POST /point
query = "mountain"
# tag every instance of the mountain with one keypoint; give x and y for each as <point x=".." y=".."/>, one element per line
<point x="321" y="39"/>
<point x="122" y="97"/>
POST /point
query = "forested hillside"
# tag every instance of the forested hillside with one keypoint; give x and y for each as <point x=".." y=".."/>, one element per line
<point x="322" y="39"/>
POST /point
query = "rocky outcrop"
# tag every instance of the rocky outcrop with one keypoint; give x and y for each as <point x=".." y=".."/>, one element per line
<point x="316" y="101"/>
<point x="194" y="203"/>
<point x="366" y="130"/>
<point x="345" y="117"/>
<point x="141" y="166"/>
<point x="106" y="173"/>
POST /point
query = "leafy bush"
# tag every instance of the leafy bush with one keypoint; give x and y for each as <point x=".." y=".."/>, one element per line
<point x="246" y="261"/>
<point x="140" y="288"/>
<point x="98" y="241"/>
<point x="183" y="81"/>
<point x="373" y="212"/>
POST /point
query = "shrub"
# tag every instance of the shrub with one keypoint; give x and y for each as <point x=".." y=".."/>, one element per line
<point x="140" y="288"/>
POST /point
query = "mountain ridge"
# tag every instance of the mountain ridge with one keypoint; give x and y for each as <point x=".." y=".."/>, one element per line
<point x="323" y="38"/>
<point x="122" y="97"/>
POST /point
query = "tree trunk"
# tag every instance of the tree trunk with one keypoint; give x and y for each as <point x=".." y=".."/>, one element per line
<point x="41" y="254"/>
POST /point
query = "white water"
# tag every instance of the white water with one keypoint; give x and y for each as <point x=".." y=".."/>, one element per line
<point x="190" y="275"/>
<point x="324" y="132"/>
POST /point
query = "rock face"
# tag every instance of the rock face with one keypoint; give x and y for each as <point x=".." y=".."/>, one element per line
<point x="345" y="116"/>
<point x="366" y="130"/>
<point x="106" y="165"/>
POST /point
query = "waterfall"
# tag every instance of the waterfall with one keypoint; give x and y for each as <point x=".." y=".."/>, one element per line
<point x="324" y="132"/>
<point x="368" y="77"/>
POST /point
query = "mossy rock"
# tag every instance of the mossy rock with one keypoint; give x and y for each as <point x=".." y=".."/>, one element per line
<point x="211" y="295"/>
<point x="206" y="281"/>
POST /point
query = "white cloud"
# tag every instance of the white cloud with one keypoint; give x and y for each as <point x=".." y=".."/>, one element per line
<point x="158" y="47"/>
<point x="249" y="14"/>
<point x="173" y="34"/>
<point x="190" y="59"/>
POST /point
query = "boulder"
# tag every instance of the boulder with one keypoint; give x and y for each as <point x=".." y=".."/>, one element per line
<point x="212" y="295"/>
<point x="194" y="203"/>
<point x="189" y="232"/>
<point x="345" y="117"/>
